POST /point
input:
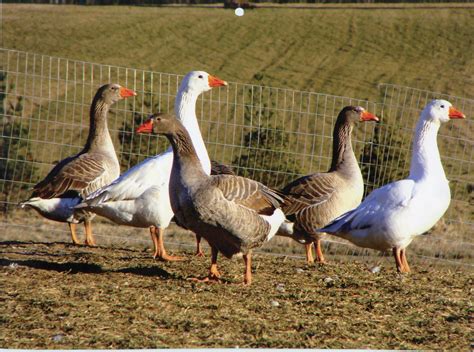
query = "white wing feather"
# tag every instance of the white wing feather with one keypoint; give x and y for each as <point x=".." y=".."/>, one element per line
<point x="389" y="198"/>
<point x="152" y="172"/>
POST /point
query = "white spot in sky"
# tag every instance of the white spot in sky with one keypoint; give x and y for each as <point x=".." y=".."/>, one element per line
<point x="239" y="11"/>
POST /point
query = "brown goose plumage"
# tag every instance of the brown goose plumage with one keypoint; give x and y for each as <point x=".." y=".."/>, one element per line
<point x="224" y="209"/>
<point x="313" y="201"/>
<point x="221" y="169"/>
<point x="95" y="166"/>
<point x="216" y="169"/>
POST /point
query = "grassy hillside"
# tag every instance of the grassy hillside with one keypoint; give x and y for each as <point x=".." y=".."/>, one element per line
<point x="342" y="51"/>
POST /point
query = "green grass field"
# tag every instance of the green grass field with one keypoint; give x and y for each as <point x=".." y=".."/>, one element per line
<point x="343" y="52"/>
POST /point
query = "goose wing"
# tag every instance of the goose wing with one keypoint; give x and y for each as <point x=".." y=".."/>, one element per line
<point x="384" y="201"/>
<point x="249" y="193"/>
<point x="152" y="172"/>
<point x="83" y="173"/>
<point x="220" y="169"/>
<point x="306" y="192"/>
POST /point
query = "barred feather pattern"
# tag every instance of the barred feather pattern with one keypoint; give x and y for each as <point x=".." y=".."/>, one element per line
<point x="83" y="173"/>
<point x="224" y="209"/>
<point x="313" y="201"/>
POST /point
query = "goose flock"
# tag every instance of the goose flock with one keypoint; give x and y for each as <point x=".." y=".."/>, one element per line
<point x="235" y="214"/>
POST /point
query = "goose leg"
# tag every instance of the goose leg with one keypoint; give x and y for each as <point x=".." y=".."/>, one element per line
<point x="319" y="253"/>
<point x="398" y="260"/>
<point x="403" y="257"/>
<point x="199" y="252"/>
<point x="214" y="274"/>
<point x="248" y="269"/>
<point x="89" y="238"/>
<point x="309" y="253"/>
<point x="154" y="238"/>
<point x="72" y="228"/>
<point x="160" y="252"/>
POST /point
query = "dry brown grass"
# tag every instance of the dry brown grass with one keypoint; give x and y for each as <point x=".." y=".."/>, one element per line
<point x="61" y="296"/>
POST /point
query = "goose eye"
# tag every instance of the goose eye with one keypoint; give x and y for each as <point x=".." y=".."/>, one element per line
<point x="442" y="106"/>
<point x="200" y="76"/>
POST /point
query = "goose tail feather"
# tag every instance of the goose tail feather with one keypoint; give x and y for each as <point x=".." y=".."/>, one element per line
<point x="275" y="220"/>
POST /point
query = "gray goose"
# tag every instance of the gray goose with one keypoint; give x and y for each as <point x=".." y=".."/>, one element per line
<point x="73" y="178"/>
<point x="216" y="169"/>
<point x="233" y="214"/>
<point x="313" y="201"/>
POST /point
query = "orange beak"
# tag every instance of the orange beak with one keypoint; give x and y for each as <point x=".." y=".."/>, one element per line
<point x="146" y="127"/>
<point x="367" y="116"/>
<point x="125" y="92"/>
<point x="216" y="82"/>
<point x="455" y="114"/>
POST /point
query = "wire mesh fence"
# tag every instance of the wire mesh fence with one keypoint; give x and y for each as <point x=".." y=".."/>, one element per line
<point x="269" y="134"/>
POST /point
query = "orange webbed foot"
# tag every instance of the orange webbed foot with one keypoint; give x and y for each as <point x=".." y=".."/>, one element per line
<point x="168" y="258"/>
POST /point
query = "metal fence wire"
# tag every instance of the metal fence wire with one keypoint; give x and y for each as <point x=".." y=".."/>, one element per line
<point x="269" y="134"/>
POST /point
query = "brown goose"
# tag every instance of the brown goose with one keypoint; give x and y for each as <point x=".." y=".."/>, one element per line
<point x="234" y="214"/>
<point x="313" y="201"/>
<point x="77" y="176"/>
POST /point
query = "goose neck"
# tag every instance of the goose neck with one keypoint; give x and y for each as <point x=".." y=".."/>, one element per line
<point x="426" y="161"/>
<point x="343" y="157"/>
<point x="185" y="158"/>
<point x="185" y="108"/>
<point x="99" y="137"/>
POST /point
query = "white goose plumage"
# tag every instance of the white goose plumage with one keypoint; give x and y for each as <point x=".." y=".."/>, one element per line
<point x="391" y="216"/>
<point x="140" y="196"/>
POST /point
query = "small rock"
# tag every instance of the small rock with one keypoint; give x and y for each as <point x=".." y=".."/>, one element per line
<point x="280" y="287"/>
<point x="13" y="266"/>
<point x="58" y="337"/>
<point x="328" y="280"/>
<point x="375" y="269"/>
<point x="299" y="270"/>
<point x="274" y="303"/>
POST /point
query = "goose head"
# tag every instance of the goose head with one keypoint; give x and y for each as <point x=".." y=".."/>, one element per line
<point x="113" y="92"/>
<point x="160" y="123"/>
<point x="353" y="114"/>
<point x="441" y="111"/>
<point x="199" y="82"/>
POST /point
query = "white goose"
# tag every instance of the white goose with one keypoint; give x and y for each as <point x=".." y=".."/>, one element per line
<point x="140" y="197"/>
<point x="391" y="216"/>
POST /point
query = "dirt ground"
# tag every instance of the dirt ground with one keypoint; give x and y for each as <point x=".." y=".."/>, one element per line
<point x="56" y="295"/>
